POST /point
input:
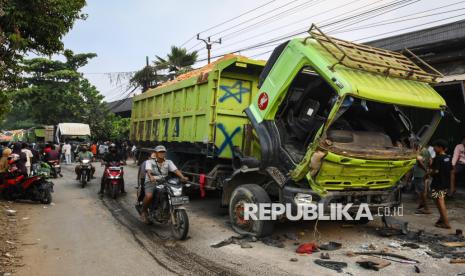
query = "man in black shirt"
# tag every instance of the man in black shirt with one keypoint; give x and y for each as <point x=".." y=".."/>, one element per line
<point x="111" y="156"/>
<point x="441" y="171"/>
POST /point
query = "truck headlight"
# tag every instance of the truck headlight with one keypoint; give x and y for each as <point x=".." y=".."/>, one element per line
<point x="302" y="199"/>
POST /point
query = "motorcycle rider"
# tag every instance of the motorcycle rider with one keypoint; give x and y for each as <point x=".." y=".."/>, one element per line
<point x="156" y="169"/>
<point x="84" y="154"/>
<point x="111" y="156"/>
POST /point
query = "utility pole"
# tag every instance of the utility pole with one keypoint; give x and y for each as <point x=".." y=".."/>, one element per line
<point x="146" y="77"/>
<point x="209" y="44"/>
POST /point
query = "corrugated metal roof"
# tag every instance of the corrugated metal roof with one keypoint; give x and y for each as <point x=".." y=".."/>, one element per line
<point x="446" y="32"/>
<point x="119" y="106"/>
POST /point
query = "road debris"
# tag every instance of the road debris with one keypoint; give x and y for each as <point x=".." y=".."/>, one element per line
<point x="394" y="245"/>
<point x="10" y="212"/>
<point x="239" y="240"/>
<point x="411" y="245"/>
<point x="293" y="260"/>
<point x="393" y="223"/>
<point x="394" y="257"/>
<point x="273" y="241"/>
<point x="457" y="261"/>
<point x="434" y="255"/>
<point x="330" y="246"/>
<point x="453" y="244"/>
<point x="324" y="256"/>
<point x="291" y="236"/>
<point x="307" y="248"/>
<point x="338" y="266"/>
<point x="417" y="269"/>
<point x="373" y="263"/>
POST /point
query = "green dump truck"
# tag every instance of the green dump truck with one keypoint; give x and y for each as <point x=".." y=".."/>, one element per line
<point x="323" y="121"/>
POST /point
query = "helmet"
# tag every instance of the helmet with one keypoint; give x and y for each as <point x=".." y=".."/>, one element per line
<point x="160" y="148"/>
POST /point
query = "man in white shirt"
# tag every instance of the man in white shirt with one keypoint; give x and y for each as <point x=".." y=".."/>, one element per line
<point x="29" y="157"/>
<point x="157" y="168"/>
<point x="66" y="150"/>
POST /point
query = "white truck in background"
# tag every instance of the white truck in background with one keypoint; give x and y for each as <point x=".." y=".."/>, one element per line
<point x="75" y="132"/>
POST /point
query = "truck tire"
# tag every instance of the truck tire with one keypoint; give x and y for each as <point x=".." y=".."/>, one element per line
<point x="249" y="193"/>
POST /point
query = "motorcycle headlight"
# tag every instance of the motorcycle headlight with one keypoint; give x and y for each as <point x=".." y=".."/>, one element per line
<point x="177" y="191"/>
<point x="85" y="161"/>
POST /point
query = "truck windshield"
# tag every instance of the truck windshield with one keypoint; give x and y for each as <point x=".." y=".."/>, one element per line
<point x="368" y="128"/>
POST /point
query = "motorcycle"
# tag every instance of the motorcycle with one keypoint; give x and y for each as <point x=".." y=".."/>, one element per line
<point x="166" y="207"/>
<point x="17" y="186"/>
<point x="86" y="172"/>
<point x="55" y="170"/>
<point x="114" y="178"/>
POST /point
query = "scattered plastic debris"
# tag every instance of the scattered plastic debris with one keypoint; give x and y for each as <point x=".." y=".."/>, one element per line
<point x="411" y="245"/>
<point x="324" y="256"/>
<point x="330" y="246"/>
<point x="307" y="248"/>
<point x="373" y="263"/>
<point x="338" y="266"/>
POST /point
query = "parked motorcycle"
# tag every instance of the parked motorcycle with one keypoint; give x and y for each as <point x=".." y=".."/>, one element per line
<point x="55" y="170"/>
<point x="114" y="178"/>
<point x="167" y="207"/>
<point x="17" y="186"/>
<point x="86" y="172"/>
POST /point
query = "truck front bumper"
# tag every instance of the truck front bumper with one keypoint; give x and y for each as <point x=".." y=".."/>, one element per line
<point x="375" y="199"/>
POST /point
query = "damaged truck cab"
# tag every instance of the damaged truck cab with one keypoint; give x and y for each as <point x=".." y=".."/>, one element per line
<point x="341" y="122"/>
<point x="325" y="121"/>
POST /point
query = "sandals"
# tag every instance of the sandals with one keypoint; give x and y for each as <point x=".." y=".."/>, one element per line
<point x="442" y="225"/>
<point x="423" y="212"/>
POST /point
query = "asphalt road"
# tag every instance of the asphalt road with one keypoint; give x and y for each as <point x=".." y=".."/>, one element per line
<point x="80" y="234"/>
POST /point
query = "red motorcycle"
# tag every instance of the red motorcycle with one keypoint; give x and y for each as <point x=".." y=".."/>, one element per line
<point x="114" y="178"/>
<point x="17" y="186"/>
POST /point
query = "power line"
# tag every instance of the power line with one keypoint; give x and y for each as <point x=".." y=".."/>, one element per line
<point x="263" y="14"/>
<point x="229" y="20"/>
<point x="290" y="24"/>
<point x="288" y="11"/>
<point x="384" y="23"/>
<point x="411" y="27"/>
<point x="306" y="27"/>
<point x="421" y="12"/>
<point x="378" y="9"/>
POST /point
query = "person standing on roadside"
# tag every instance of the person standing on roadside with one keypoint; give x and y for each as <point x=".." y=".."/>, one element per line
<point x="29" y="157"/>
<point x="93" y="148"/>
<point x="420" y="171"/>
<point x="441" y="171"/>
<point x="458" y="163"/>
<point x="67" y="152"/>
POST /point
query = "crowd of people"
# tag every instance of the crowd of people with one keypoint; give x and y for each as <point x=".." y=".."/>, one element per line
<point x="438" y="173"/>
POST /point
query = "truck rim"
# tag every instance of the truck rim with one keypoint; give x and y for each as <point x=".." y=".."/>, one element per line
<point x="239" y="215"/>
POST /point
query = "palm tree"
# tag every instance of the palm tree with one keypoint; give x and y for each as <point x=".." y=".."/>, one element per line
<point x="178" y="61"/>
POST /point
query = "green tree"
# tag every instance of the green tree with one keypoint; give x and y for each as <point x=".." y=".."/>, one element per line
<point x="54" y="91"/>
<point x="147" y="77"/>
<point x="177" y="62"/>
<point x="120" y="128"/>
<point x="32" y="26"/>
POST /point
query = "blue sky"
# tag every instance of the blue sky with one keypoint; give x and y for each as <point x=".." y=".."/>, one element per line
<point x="123" y="33"/>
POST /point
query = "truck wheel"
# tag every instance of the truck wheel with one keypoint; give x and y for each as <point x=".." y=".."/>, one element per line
<point x="249" y="193"/>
